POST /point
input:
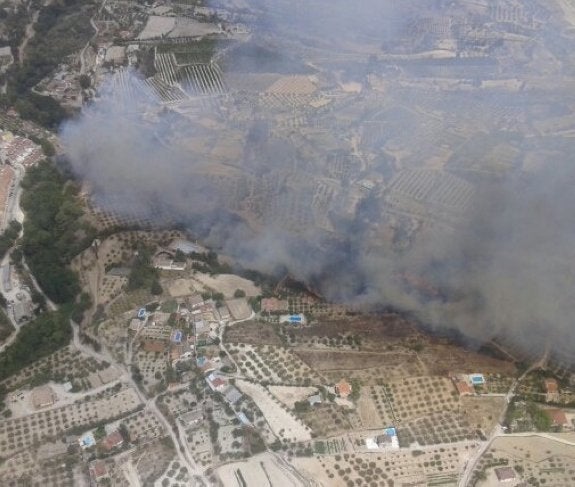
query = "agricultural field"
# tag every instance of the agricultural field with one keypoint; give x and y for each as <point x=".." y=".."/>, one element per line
<point x="414" y="397"/>
<point x="153" y="367"/>
<point x="62" y="366"/>
<point x="367" y="367"/>
<point x="429" y="466"/>
<point x="329" y="419"/>
<point x="366" y="333"/>
<point x="482" y="412"/>
<point x="56" y="470"/>
<point x="374" y="407"/>
<point x="539" y="461"/>
<point x="435" y="428"/>
<point x="252" y="332"/>
<point x="20" y="433"/>
<point x="143" y="427"/>
<point x="273" y="364"/>
<point x="457" y="358"/>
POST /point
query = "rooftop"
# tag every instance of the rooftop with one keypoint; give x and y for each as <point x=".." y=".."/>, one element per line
<point x="343" y="388"/>
<point x="505" y="474"/>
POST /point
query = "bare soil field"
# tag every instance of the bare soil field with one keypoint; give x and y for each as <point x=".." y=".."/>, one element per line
<point x="239" y="308"/>
<point x="328" y="419"/>
<point x="228" y="284"/>
<point x="482" y="412"/>
<point x="289" y="395"/>
<point x="442" y="359"/>
<point x="181" y="287"/>
<point x="375" y="375"/>
<point x="282" y="423"/>
<point x="263" y="469"/>
<point x="336" y="360"/>
<point x="389" y="327"/>
<point x="253" y="332"/>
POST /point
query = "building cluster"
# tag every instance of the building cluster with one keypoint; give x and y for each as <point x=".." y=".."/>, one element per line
<point x="466" y="383"/>
<point x="15" y="149"/>
<point x="387" y="440"/>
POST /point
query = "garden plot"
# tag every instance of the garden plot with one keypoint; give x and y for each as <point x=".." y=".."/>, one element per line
<point x="282" y="423"/>
<point x="277" y="365"/>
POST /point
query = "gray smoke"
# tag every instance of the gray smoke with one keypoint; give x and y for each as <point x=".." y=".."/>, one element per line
<point x="499" y="264"/>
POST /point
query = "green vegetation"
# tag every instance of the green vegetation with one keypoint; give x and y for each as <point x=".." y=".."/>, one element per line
<point x="6" y="327"/>
<point x="208" y="263"/>
<point x="53" y="235"/>
<point x="540" y="418"/>
<point x="143" y="274"/>
<point x="301" y="406"/>
<point x="8" y="238"/>
<point x="53" y="231"/>
<point x="196" y="52"/>
<point x="62" y="29"/>
<point x="40" y="338"/>
<point x="84" y="81"/>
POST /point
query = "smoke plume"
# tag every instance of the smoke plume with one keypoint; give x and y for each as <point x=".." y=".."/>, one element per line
<point x="353" y="200"/>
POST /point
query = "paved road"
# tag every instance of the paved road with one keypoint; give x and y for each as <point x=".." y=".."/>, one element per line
<point x="221" y="331"/>
<point x="181" y="446"/>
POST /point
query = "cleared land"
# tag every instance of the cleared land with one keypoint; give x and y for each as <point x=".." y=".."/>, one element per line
<point x="260" y="470"/>
<point x="282" y="423"/>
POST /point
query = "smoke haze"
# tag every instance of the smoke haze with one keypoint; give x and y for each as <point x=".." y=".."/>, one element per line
<point x="441" y="188"/>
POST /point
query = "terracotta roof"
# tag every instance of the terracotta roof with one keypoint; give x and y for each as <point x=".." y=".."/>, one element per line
<point x="343" y="388"/>
<point x="551" y="386"/>
<point x="464" y="388"/>
<point x="557" y="416"/>
<point x="153" y="346"/>
<point x="112" y="440"/>
<point x="98" y="469"/>
<point x="505" y="473"/>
